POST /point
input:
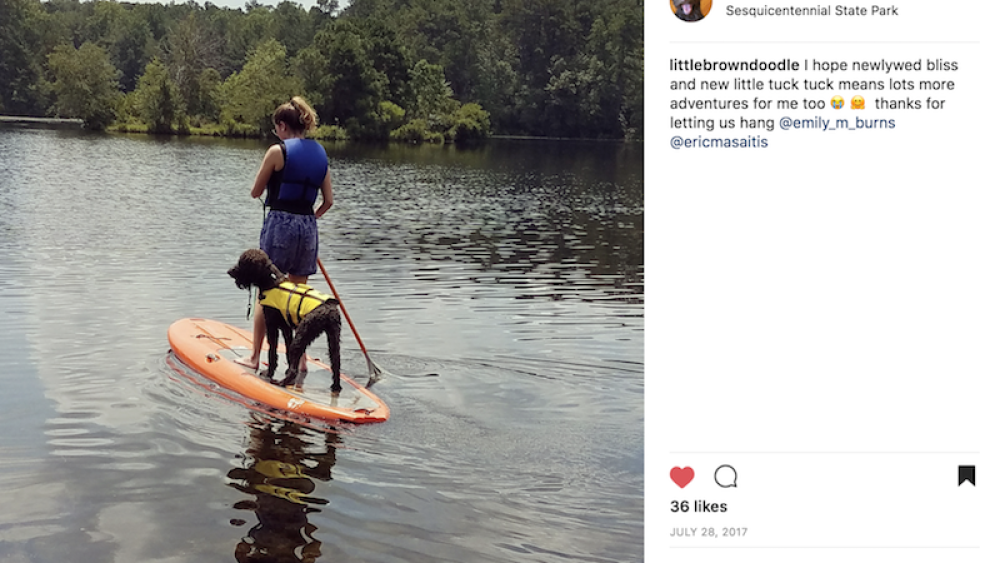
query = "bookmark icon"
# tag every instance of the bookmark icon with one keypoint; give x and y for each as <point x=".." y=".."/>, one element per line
<point x="966" y="473"/>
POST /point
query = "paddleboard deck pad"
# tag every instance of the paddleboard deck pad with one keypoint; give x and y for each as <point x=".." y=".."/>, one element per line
<point x="210" y="347"/>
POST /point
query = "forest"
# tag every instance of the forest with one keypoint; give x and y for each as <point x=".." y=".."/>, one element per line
<point x="404" y="70"/>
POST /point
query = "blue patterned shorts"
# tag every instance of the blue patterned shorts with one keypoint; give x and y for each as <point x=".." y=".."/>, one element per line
<point x="291" y="241"/>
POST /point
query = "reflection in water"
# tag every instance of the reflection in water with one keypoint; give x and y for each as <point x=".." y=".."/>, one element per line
<point x="279" y="476"/>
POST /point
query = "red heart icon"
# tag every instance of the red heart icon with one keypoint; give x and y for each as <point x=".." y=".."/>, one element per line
<point x="681" y="476"/>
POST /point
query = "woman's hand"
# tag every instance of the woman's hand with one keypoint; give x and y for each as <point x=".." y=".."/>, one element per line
<point x="327" y="190"/>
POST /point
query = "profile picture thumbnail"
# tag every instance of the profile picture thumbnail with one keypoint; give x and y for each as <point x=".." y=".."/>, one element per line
<point x="691" y="10"/>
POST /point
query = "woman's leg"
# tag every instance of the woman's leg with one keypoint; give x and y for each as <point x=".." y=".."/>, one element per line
<point x="258" y="339"/>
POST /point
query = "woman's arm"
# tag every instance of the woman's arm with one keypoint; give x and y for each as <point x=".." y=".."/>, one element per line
<point x="272" y="162"/>
<point x="327" y="191"/>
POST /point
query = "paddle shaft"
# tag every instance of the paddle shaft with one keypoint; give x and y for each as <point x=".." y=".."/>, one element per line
<point x="343" y="310"/>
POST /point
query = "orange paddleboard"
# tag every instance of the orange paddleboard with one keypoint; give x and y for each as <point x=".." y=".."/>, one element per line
<point x="209" y="347"/>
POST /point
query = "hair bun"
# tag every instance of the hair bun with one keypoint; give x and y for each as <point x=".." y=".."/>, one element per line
<point x="297" y="113"/>
<point x="298" y="110"/>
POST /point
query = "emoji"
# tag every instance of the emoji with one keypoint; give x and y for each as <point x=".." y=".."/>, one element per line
<point x="857" y="102"/>
<point x="837" y="102"/>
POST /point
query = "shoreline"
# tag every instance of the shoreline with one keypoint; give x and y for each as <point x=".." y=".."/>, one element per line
<point x="78" y="123"/>
<point x="46" y="121"/>
<point x="576" y="139"/>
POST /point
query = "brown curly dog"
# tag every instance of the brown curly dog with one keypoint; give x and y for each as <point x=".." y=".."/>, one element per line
<point x="290" y="308"/>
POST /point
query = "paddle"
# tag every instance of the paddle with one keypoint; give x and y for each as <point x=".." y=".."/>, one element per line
<point x="374" y="371"/>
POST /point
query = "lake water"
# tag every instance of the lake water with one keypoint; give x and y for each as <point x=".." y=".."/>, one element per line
<point x="501" y="287"/>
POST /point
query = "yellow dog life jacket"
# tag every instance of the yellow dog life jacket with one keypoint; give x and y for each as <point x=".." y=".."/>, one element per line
<point x="293" y="301"/>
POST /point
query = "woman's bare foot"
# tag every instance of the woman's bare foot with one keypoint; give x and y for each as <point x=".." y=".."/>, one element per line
<point x="247" y="363"/>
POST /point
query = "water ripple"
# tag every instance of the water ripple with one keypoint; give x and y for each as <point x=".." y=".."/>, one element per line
<point x="502" y="289"/>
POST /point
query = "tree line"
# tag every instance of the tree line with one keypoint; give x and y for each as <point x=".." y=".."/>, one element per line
<point x="413" y="70"/>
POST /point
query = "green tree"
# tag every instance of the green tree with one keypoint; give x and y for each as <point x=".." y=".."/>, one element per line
<point x="497" y="79"/>
<point x="103" y="18"/>
<point x="634" y="98"/>
<point x="63" y="21"/>
<point x="544" y="67"/>
<point x="577" y="68"/>
<point x="372" y="9"/>
<point x="388" y="56"/>
<point x="292" y="27"/>
<point x="447" y="33"/>
<point x="158" y="17"/>
<point x="246" y="32"/>
<point x="381" y="122"/>
<point x="328" y="7"/>
<point x="544" y="33"/>
<point x="431" y="92"/>
<point x="610" y="73"/>
<point x="224" y="25"/>
<point x="472" y="124"/>
<point x="565" y="109"/>
<point x="310" y="66"/>
<point x="85" y="85"/>
<point x="352" y="87"/>
<point x="19" y="67"/>
<point x="130" y="47"/>
<point x="157" y="98"/>
<point x="209" y="95"/>
<point x="123" y="33"/>
<point x="323" y="12"/>
<point x="189" y="49"/>
<point x="265" y="82"/>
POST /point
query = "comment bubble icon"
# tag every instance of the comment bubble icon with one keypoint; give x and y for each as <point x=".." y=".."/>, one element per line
<point x="725" y="476"/>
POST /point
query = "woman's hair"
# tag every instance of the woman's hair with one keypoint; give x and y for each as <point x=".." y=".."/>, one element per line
<point x="297" y="114"/>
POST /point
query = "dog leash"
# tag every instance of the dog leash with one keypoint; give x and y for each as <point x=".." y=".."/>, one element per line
<point x="263" y="219"/>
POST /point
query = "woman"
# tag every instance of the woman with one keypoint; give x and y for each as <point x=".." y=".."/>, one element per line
<point x="293" y="173"/>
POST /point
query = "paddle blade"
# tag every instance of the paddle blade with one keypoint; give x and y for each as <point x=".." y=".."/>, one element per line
<point x="374" y="372"/>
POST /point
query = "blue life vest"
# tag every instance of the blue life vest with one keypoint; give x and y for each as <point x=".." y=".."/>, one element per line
<point x="306" y="165"/>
